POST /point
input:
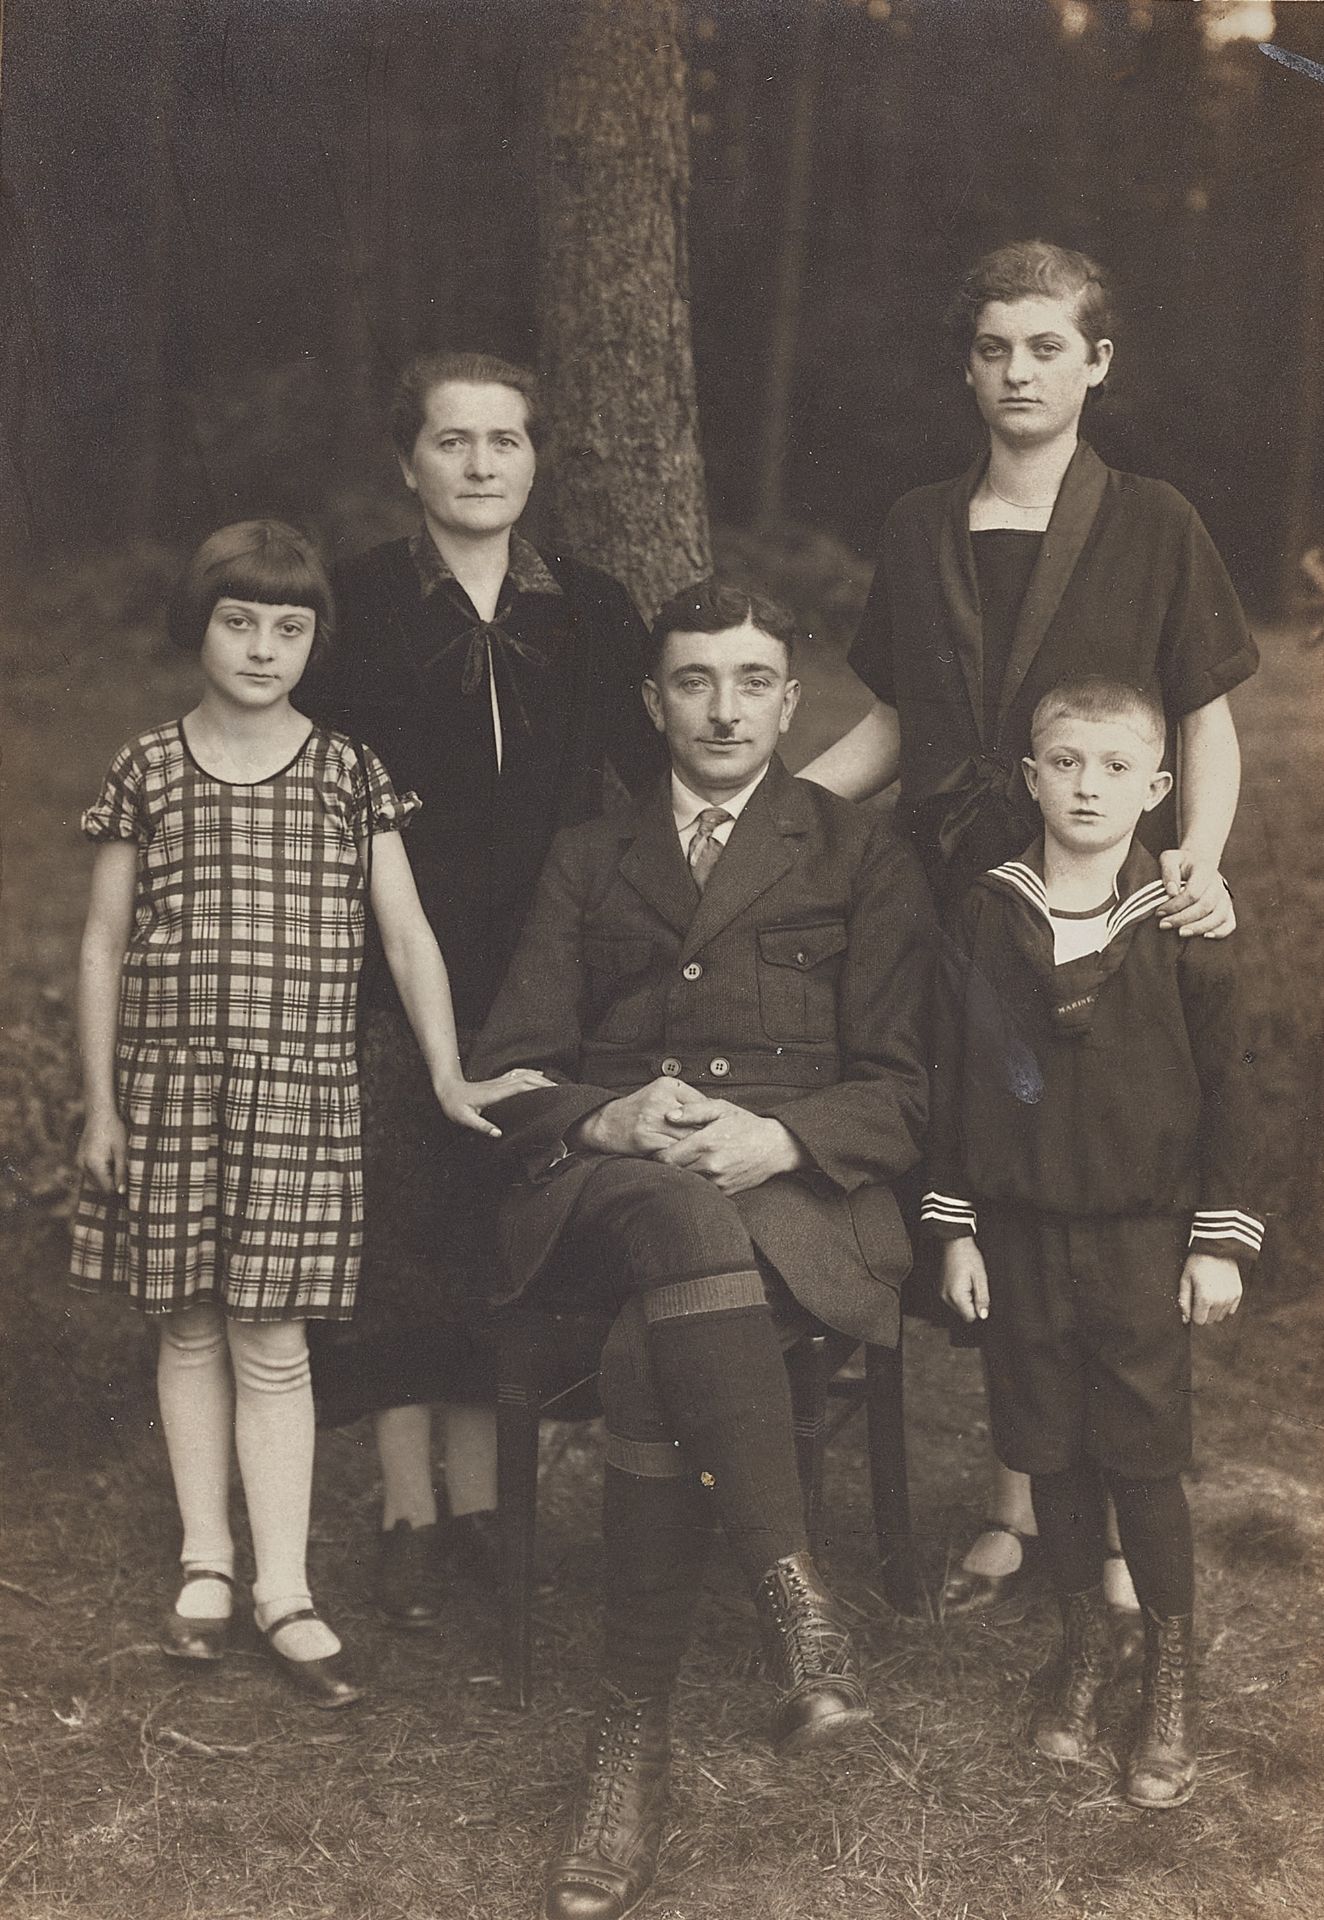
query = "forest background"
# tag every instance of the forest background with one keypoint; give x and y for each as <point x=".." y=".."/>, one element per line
<point x="222" y="225"/>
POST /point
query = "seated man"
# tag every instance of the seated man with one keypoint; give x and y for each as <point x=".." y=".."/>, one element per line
<point x="728" y="985"/>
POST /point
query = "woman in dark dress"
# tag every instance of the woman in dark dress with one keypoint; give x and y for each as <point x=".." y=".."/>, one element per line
<point x="501" y="684"/>
<point x="1040" y="564"/>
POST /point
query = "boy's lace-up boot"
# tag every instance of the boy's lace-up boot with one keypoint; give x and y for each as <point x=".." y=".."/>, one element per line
<point x="1063" y="1724"/>
<point x="1160" y="1771"/>
<point x="611" y="1849"/>
<point x="810" y="1657"/>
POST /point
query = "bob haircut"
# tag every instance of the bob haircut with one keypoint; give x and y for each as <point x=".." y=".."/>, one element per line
<point x="1094" y="698"/>
<point x="261" y="560"/>
<point x="1032" y="270"/>
<point x="711" y="606"/>
<point x="425" y="371"/>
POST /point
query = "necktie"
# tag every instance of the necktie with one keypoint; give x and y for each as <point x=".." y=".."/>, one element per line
<point x="704" y="850"/>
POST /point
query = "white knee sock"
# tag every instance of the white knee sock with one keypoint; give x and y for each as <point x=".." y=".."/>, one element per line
<point x="274" y="1438"/>
<point x="196" y="1397"/>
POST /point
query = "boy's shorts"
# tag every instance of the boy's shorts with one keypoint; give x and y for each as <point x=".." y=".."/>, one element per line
<point x="1087" y="1353"/>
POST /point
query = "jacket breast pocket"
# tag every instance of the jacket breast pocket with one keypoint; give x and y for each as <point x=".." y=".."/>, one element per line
<point x="798" y="969"/>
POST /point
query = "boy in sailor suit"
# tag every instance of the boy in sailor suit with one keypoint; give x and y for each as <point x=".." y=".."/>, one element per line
<point x="1093" y="1116"/>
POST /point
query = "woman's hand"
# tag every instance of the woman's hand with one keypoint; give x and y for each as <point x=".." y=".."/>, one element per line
<point x="103" y="1152"/>
<point x="463" y="1101"/>
<point x="1198" y="900"/>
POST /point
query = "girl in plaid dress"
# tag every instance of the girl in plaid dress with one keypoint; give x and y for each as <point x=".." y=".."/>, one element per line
<point x="221" y="1164"/>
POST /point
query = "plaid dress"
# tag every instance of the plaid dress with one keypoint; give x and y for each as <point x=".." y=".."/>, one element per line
<point x="235" y="1057"/>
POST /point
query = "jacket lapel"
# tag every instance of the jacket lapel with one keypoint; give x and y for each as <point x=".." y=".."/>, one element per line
<point x="654" y="864"/>
<point x="761" y="849"/>
<point x="960" y="587"/>
<point x="1078" y="501"/>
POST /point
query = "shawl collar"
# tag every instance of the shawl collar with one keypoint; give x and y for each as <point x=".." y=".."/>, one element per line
<point x="755" y="857"/>
<point x="1078" y="501"/>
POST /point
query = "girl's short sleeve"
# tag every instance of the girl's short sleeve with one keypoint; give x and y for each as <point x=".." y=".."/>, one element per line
<point x="117" y="812"/>
<point x="379" y="802"/>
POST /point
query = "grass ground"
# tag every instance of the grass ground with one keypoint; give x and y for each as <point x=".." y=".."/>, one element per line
<point x="132" y="1791"/>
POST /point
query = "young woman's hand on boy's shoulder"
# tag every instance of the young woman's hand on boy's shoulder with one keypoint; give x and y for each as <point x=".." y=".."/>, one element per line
<point x="462" y="1101"/>
<point x="1210" y="1288"/>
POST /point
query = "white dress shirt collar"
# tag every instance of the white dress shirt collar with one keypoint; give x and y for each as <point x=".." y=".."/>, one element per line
<point x="687" y="806"/>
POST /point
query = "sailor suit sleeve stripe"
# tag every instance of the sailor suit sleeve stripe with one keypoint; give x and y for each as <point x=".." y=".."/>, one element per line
<point x="1238" y="1234"/>
<point x="948" y="1217"/>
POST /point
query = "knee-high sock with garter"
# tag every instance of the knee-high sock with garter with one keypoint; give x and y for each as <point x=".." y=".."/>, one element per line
<point x="274" y="1438"/>
<point x="657" y="1522"/>
<point x="196" y="1396"/>
<point x="722" y="1379"/>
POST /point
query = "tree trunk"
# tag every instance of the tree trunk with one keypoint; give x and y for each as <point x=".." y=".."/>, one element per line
<point x="784" y="335"/>
<point x="626" y="489"/>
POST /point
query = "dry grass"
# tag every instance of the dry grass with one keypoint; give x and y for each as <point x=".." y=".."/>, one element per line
<point x="132" y="1790"/>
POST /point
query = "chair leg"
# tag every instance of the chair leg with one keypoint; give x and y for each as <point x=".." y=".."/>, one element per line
<point x="517" y="1507"/>
<point x="888" y="1478"/>
<point x="807" y="1369"/>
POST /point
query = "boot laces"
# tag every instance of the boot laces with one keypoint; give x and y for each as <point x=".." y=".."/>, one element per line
<point x="812" y="1643"/>
<point x="1167" y="1692"/>
<point x="615" y="1751"/>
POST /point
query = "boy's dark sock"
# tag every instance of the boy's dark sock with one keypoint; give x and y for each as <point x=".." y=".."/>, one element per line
<point x="722" y="1379"/>
<point x="656" y="1534"/>
<point x="1154" y="1526"/>
<point x="1068" y="1507"/>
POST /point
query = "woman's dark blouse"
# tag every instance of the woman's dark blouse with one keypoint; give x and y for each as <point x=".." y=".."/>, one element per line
<point x="569" y="654"/>
<point x="1125" y="583"/>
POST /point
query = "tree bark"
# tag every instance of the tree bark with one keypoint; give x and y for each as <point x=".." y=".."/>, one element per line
<point x="626" y="488"/>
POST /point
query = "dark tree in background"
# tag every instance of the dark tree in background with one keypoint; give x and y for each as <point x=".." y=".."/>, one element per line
<point x="225" y="222"/>
<point x="626" y="487"/>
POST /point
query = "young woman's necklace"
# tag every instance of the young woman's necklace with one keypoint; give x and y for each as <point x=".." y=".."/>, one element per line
<point x="1020" y="506"/>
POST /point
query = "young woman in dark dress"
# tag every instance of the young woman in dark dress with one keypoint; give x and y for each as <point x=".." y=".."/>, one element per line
<point x="499" y="683"/>
<point x="1040" y="564"/>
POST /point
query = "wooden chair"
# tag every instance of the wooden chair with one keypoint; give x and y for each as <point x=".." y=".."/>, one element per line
<point x="547" y="1369"/>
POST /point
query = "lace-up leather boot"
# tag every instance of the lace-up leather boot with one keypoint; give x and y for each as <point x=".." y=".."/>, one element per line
<point x="1063" y="1724"/>
<point x="611" y="1849"/>
<point x="809" y="1656"/>
<point x="1160" y="1771"/>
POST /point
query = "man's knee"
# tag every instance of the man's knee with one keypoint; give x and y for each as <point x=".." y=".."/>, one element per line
<point x="663" y="1223"/>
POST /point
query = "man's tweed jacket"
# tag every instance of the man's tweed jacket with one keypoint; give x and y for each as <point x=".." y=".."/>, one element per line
<point x="797" y="986"/>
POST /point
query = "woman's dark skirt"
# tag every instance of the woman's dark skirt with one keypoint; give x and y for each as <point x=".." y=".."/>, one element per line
<point x="430" y="1193"/>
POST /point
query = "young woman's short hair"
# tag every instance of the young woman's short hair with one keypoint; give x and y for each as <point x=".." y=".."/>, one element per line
<point x="711" y="606"/>
<point x="1092" y="697"/>
<point x="262" y="560"/>
<point x="1029" y="270"/>
<point x="433" y="368"/>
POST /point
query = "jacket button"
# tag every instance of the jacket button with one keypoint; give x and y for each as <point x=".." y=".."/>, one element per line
<point x="719" y="1067"/>
<point x="692" y="972"/>
<point x="671" y="1067"/>
<point x="802" y="958"/>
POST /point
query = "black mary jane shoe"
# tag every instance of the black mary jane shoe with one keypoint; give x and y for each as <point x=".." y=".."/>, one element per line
<point x="203" y="1639"/>
<point x="327" y="1681"/>
<point x="967" y="1592"/>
